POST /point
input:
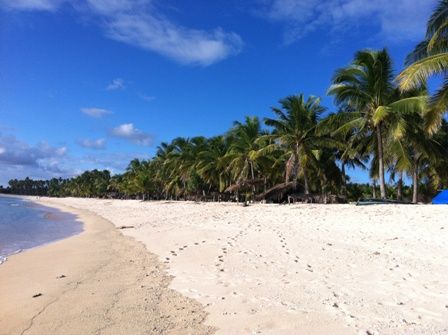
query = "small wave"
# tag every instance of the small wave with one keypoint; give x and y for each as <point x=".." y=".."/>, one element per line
<point x="14" y="205"/>
<point x="3" y="259"/>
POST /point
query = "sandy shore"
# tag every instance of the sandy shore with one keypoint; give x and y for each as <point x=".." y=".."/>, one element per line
<point x="300" y="269"/>
<point x="98" y="282"/>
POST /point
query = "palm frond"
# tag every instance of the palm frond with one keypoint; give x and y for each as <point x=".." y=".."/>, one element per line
<point x="420" y="71"/>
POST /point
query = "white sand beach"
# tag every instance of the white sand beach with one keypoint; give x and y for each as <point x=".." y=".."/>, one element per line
<point x="299" y="269"/>
<point x="97" y="282"/>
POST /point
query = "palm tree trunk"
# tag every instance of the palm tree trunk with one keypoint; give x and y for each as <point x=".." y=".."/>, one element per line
<point x="324" y="189"/>
<point x="381" y="162"/>
<point x="344" y="180"/>
<point x="400" y="186"/>
<point x="253" y="178"/>
<point x="415" y="182"/>
<point x="305" y="179"/>
<point x="374" y="189"/>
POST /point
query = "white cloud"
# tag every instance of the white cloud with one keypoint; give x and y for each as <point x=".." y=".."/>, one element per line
<point x="129" y="132"/>
<point x="184" y="45"/>
<point x="95" y="112"/>
<point x="116" y="84"/>
<point x="394" y="20"/>
<point x="19" y="159"/>
<point x="93" y="144"/>
<point x="140" y="23"/>
<point x="16" y="152"/>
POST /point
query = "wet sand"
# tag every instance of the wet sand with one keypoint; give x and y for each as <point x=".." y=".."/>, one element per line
<point x="97" y="282"/>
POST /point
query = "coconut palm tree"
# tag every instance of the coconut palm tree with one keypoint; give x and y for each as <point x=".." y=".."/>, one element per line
<point x="351" y="145"/>
<point x="211" y="163"/>
<point x="242" y="157"/>
<point x="366" y="90"/>
<point x="294" y="130"/>
<point x="180" y="164"/>
<point x="430" y="58"/>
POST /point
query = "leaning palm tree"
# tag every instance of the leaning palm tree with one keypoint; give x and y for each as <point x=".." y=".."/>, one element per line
<point x="365" y="88"/>
<point x="294" y="130"/>
<point x="430" y="58"/>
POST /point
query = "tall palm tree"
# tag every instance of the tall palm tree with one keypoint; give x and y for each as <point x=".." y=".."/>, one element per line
<point x="429" y="58"/>
<point x="294" y="130"/>
<point x="365" y="88"/>
<point x="351" y="145"/>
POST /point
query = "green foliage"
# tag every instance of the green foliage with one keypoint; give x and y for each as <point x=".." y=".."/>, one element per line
<point x="430" y="58"/>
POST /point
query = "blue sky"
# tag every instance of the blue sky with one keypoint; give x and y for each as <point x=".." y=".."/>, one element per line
<point x="94" y="83"/>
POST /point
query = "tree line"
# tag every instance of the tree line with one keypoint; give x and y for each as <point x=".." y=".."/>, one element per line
<point x="389" y="125"/>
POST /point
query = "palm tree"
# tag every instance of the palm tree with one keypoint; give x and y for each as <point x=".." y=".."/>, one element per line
<point x="242" y="157"/>
<point x="351" y="145"/>
<point x="365" y="88"/>
<point x="180" y="164"/>
<point x="295" y="131"/>
<point x="211" y="163"/>
<point x="430" y="58"/>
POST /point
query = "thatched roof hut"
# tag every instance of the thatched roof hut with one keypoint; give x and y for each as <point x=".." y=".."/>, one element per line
<point x="276" y="190"/>
<point x="243" y="184"/>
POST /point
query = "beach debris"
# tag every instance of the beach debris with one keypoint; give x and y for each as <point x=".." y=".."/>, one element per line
<point x="392" y="239"/>
<point x="37" y="295"/>
<point x="126" y="227"/>
<point x="61" y="276"/>
<point x="335" y="305"/>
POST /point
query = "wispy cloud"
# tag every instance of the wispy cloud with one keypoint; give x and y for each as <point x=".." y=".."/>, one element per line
<point x="116" y="84"/>
<point x="44" y="5"/>
<point x="93" y="144"/>
<point x="141" y="23"/>
<point x="396" y="21"/>
<point x="147" y="98"/>
<point x="95" y="112"/>
<point x="186" y="46"/>
<point x="129" y="132"/>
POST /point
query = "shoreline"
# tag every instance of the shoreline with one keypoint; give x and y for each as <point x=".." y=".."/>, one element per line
<point x="98" y="281"/>
<point x="49" y="213"/>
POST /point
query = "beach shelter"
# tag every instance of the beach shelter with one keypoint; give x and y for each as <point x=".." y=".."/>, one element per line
<point x="441" y="198"/>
